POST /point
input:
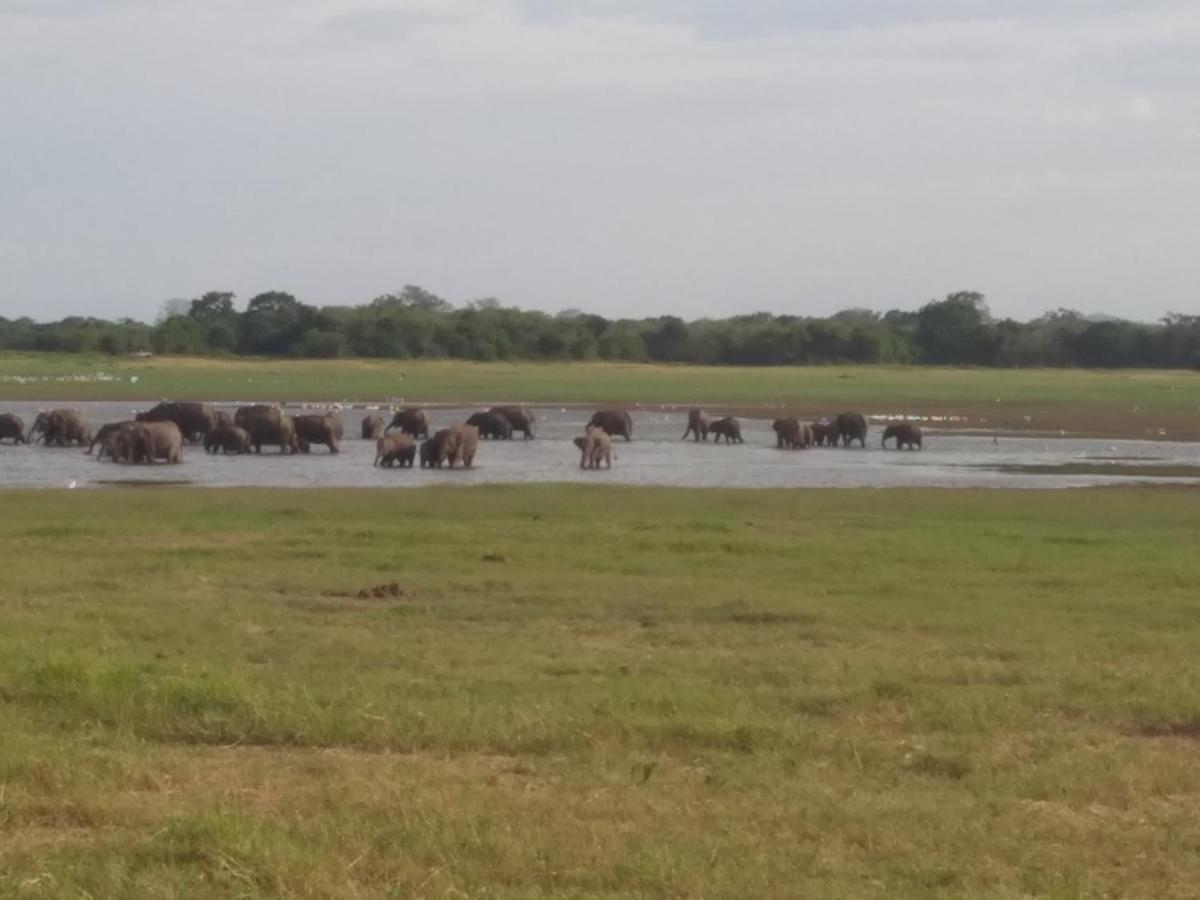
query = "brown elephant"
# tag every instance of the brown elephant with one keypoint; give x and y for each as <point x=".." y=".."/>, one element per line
<point x="150" y="441"/>
<point x="227" y="439"/>
<point x="824" y="432"/>
<point x="267" y="425"/>
<point x="492" y="425"/>
<point x="615" y="422"/>
<point x="851" y="426"/>
<point x="906" y="435"/>
<point x="316" y="429"/>
<point x="463" y="444"/>
<point x="791" y="433"/>
<point x="728" y="427"/>
<point x="520" y="418"/>
<point x="60" y="427"/>
<point x="104" y="437"/>
<point x="11" y="426"/>
<point x="437" y="449"/>
<point x="411" y="421"/>
<point x="595" y="447"/>
<point x="697" y="425"/>
<point x="372" y="428"/>
<point x="194" y="418"/>
<point x="395" y="449"/>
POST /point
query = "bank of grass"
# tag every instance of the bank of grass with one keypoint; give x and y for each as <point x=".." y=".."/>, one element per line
<point x="74" y="377"/>
<point x="589" y="692"/>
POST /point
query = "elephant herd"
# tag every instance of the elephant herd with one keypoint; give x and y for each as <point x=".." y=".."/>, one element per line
<point x="160" y="433"/>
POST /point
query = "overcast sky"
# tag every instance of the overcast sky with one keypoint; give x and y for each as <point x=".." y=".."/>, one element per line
<point x="629" y="157"/>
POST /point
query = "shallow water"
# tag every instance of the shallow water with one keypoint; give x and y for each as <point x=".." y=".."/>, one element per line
<point x="655" y="457"/>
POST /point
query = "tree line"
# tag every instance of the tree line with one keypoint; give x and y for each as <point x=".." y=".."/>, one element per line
<point x="414" y="323"/>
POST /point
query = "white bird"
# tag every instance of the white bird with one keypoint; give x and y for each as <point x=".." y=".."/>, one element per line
<point x="71" y="486"/>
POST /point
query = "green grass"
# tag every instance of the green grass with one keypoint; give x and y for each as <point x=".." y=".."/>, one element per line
<point x="644" y="693"/>
<point x="51" y="376"/>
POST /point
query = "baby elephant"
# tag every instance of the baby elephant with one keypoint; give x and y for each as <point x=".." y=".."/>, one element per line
<point x="729" y="428"/>
<point x="396" y="449"/>
<point x="906" y="435"/>
<point x="594" y="447"/>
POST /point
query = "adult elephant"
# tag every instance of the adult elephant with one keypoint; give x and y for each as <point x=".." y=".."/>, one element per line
<point x="437" y="449"/>
<point x="905" y="435"/>
<point x="372" y="428"/>
<point x="697" y="425"/>
<point x="728" y="427"/>
<point x="316" y="429"/>
<point x="824" y="431"/>
<point x="616" y="422"/>
<point x="851" y="427"/>
<point x="492" y="425"/>
<point x="520" y="418"/>
<point x="60" y="427"/>
<point x="268" y="425"/>
<point x="150" y="441"/>
<point x="12" y="427"/>
<point x="104" y="437"/>
<point x="792" y="434"/>
<point x="194" y="418"/>
<point x="411" y="421"/>
<point x="395" y="449"/>
<point x="463" y="443"/>
<point x="227" y="439"/>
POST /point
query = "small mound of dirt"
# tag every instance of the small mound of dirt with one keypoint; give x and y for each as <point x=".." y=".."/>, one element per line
<point x="1186" y="729"/>
<point x="495" y="557"/>
<point x="388" y="591"/>
<point x="382" y="592"/>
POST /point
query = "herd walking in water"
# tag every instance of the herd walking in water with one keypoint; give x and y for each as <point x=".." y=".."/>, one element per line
<point x="160" y="434"/>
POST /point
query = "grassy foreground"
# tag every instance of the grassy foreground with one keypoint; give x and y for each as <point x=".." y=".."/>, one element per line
<point x="591" y="692"/>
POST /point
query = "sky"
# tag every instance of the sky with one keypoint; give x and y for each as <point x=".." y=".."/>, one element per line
<point x="626" y="157"/>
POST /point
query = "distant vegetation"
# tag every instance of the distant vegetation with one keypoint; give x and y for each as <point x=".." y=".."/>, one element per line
<point x="416" y="324"/>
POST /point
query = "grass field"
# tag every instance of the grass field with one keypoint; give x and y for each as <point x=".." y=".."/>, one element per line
<point x="599" y="693"/>
<point x="1143" y="397"/>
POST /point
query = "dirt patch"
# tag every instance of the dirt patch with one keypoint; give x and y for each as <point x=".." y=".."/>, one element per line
<point x="1185" y="729"/>
<point x="389" y="591"/>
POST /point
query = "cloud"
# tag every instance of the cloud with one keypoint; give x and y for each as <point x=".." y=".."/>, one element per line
<point x="631" y="158"/>
<point x="65" y="9"/>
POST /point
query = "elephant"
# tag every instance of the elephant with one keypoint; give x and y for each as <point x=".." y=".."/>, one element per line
<point x="195" y="419"/>
<point x="616" y="422"/>
<point x="11" y="426"/>
<point x="149" y="441"/>
<point x="316" y="429"/>
<point x="729" y="428"/>
<point x="440" y="449"/>
<point x="492" y="425"/>
<point x="432" y="450"/>
<point x="268" y="425"/>
<point x="594" y="447"/>
<point x="463" y="442"/>
<point x="824" y="432"/>
<point x="792" y="433"/>
<point x="395" y="448"/>
<point x="228" y="439"/>
<point x="244" y="413"/>
<point x="906" y="435"/>
<point x="851" y="427"/>
<point x="104" y="437"/>
<point x="60" y="427"/>
<point x="372" y="428"/>
<point x="697" y="425"/>
<point x="411" y="421"/>
<point x="519" y="418"/>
